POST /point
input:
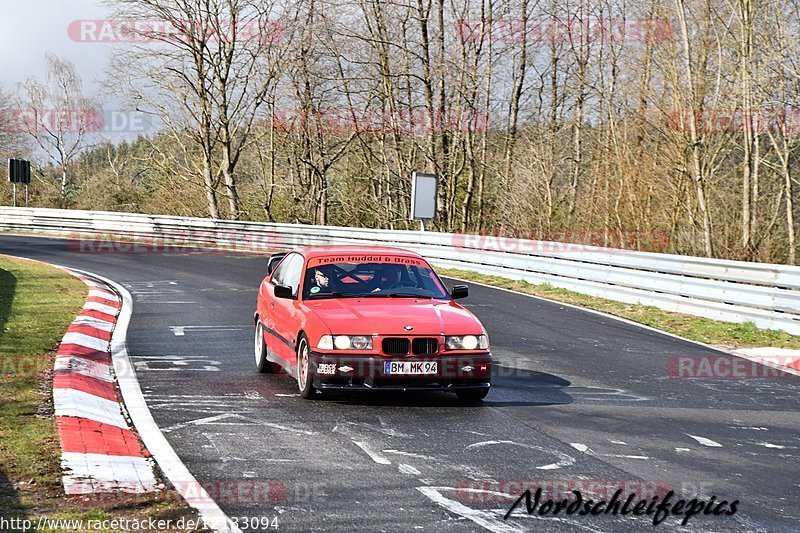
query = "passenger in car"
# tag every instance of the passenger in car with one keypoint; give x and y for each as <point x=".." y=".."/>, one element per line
<point x="320" y="281"/>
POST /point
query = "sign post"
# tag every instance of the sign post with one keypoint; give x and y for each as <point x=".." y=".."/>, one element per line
<point x="424" y="191"/>
<point x="19" y="171"/>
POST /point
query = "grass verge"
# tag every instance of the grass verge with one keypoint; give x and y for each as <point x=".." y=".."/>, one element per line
<point x="37" y="304"/>
<point x="699" y="329"/>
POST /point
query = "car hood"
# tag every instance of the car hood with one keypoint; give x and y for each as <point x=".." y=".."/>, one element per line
<point x="390" y="316"/>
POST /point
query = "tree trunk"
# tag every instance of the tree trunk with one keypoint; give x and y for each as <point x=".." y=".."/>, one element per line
<point x="208" y="186"/>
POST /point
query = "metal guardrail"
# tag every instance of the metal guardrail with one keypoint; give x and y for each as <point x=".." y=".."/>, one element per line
<point x="734" y="291"/>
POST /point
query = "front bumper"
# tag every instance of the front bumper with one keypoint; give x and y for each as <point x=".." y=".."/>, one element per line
<point x="367" y="372"/>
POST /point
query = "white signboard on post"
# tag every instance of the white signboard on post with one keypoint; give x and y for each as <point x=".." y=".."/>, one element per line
<point x="424" y="189"/>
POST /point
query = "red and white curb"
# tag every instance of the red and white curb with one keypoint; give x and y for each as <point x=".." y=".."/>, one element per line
<point x="783" y="359"/>
<point x="100" y="400"/>
<point x="101" y="451"/>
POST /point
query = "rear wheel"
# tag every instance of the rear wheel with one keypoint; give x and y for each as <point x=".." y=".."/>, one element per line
<point x="305" y="380"/>
<point x="263" y="365"/>
<point x="472" y="395"/>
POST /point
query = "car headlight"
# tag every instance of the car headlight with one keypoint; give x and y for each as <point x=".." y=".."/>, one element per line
<point x="467" y="342"/>
<point x="345" y="342"/>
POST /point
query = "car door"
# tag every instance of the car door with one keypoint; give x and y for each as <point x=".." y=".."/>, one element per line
<point x="285" y="312"/>
<point x="267" y="304"/>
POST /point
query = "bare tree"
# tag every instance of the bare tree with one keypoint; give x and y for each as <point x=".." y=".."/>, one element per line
<point x="668" y="125"/>
<point x="206" y="79"/>
<point x="58" y="117"/>
<point x="12" y="140"/>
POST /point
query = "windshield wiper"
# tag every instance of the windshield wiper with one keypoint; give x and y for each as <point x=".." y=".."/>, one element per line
<point x="370" y="295"/>
<point x="328" y="295"/>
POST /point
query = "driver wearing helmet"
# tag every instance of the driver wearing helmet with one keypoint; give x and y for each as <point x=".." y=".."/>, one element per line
<point x="390" y="278"/>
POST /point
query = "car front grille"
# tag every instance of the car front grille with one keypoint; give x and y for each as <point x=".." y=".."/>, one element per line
<point x="396" y="346"/>
<point x="425" y="346"/>
<point x="404" y="346"/>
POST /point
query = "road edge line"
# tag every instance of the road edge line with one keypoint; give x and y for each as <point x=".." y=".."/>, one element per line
<point x="171" y="465"/>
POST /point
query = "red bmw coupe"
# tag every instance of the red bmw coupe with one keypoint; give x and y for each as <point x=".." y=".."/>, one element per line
<point x="367" y="318"/>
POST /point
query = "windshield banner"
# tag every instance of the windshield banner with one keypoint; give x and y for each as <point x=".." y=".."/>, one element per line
<point x="367" y="258"/>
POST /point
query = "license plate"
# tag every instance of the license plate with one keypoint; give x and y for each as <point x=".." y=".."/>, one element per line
<point x="410" y="367"/>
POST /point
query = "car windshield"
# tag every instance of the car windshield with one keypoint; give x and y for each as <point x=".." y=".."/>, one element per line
<point x="374" y="277"/>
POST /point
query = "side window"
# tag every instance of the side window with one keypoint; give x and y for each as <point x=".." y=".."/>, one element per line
<point x="279" y="275"/>
<point x="293" y="272"/>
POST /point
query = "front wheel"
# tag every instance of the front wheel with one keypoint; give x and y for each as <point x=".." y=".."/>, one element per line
<point x="472" y="395"/>
<point x="305" y="381"/>
<point x="263" y="365"/>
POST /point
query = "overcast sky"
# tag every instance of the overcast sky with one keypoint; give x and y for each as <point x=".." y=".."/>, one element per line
<point x="31" y="28"/>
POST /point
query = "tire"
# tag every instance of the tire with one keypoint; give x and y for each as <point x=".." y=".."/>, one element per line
<point x="305" y="381"/>
<point x="472" y="395"/>
<point x="263" y="365"/>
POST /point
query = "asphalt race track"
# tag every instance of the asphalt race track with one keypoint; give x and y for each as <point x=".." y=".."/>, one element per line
<point x="576" y="397"/>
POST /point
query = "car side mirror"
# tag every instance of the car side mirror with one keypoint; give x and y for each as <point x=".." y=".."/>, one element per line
<point x="459" y="291"/>
<point x="283" y="291"/>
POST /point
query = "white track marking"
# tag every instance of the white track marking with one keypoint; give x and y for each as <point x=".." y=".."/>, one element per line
<point x="679" y="450"/>
<point x="481" y="518"/>
<point x="409" y="454"/>
<point x="705" y="442"/>
<point x="612" y="441"/>
<point x="218" y="420"/>
<point x="285" y="428"/>
<point x="176" y="363"/>
<point x="770" y="445"/>
<point x="87" y="341"/>
<point x="564" y="459"/>
<point x="490" y="443"/>
<point x="588" y="451"/>
<point x="180" y="331"/>
<point x="153" y="438"/>
<point x="200" y="422"/>
<point x="372" y="455"/>
<point x="144" y="298"/>
<point x="69" y="402"/>
<point x="408" y="469"/>
<point x="346" y="427"/>
<point x="85" y="473"/>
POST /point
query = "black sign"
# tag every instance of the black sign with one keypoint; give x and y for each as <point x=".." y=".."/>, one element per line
<point x="19" y="171"/>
